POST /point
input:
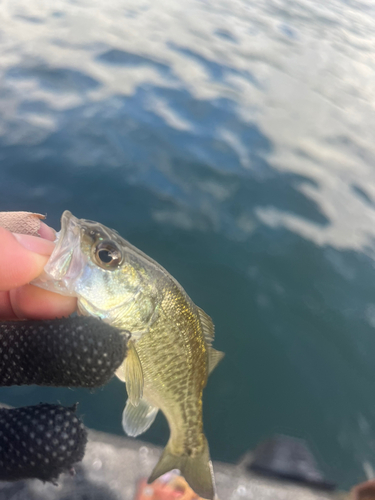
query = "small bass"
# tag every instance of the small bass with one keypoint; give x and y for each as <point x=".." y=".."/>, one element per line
<point x="170" y="353"/>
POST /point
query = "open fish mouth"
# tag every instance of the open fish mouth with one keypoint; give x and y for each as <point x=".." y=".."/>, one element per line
<point x="66" y="263"/>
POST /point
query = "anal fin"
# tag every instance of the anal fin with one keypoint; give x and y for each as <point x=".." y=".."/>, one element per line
<point x="137" y="419"/>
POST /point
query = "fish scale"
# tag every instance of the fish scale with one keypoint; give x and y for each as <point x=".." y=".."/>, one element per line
<point x="169" y="352"/>
<point x="172" y="377"/>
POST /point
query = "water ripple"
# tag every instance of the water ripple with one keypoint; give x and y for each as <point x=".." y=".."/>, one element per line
<point x="234" y="141"/>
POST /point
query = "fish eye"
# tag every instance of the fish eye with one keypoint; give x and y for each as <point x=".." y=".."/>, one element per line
<point x="108" y="255"/>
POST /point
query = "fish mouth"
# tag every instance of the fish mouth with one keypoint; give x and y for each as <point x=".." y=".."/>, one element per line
<point x="67" y="261"/>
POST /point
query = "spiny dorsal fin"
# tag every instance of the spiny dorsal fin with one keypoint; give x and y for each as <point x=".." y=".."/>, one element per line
<point x="214" y="358"/>
<point x="207" y="326"/>
<point x="133" y="375"/>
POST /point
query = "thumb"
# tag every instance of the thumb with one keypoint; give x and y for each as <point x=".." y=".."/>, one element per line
<point x="22" y="258"/>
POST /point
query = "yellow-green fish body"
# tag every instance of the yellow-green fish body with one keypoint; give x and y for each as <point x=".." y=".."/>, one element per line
<point x="170" y="353"/>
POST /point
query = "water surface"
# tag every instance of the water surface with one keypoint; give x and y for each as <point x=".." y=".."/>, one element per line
<point x="232" y="141"/>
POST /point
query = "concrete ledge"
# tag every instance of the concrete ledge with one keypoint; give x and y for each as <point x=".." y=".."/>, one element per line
<point x="114" y="465"/>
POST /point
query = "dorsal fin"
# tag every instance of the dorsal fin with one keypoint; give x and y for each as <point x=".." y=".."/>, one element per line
<point x="214" y="357"/>
<point x="207" y="326"/>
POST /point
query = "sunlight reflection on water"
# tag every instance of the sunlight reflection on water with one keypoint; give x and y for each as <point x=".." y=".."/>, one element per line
<point x="246" y="131"/>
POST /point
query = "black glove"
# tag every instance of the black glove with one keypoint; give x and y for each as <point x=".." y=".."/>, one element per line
<point x="44" y="440"/>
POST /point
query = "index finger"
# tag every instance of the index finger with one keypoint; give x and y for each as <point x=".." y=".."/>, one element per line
<point x="22" y="258"/>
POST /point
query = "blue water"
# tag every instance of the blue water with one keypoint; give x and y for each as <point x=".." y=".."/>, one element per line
<point x="232" y="141"/>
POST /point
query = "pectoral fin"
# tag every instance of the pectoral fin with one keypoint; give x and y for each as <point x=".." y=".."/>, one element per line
<point x="120" y="372"/>
<point x="133" y="375"/>
<point x="137" y="419"/>
<point x="214" y="357"/>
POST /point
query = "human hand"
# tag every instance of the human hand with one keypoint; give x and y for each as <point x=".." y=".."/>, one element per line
<point x="23" y="258"/>
<point x="45" y="440"/>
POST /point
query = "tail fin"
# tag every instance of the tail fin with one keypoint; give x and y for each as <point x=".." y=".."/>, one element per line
<point x="197" y="470"/>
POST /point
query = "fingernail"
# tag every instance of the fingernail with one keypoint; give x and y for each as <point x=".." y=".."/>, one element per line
<point x="35" y="244"/>
<point x="47" y="232"/>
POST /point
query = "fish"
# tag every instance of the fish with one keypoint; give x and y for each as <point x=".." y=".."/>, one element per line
<point x="170" y="353"/>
